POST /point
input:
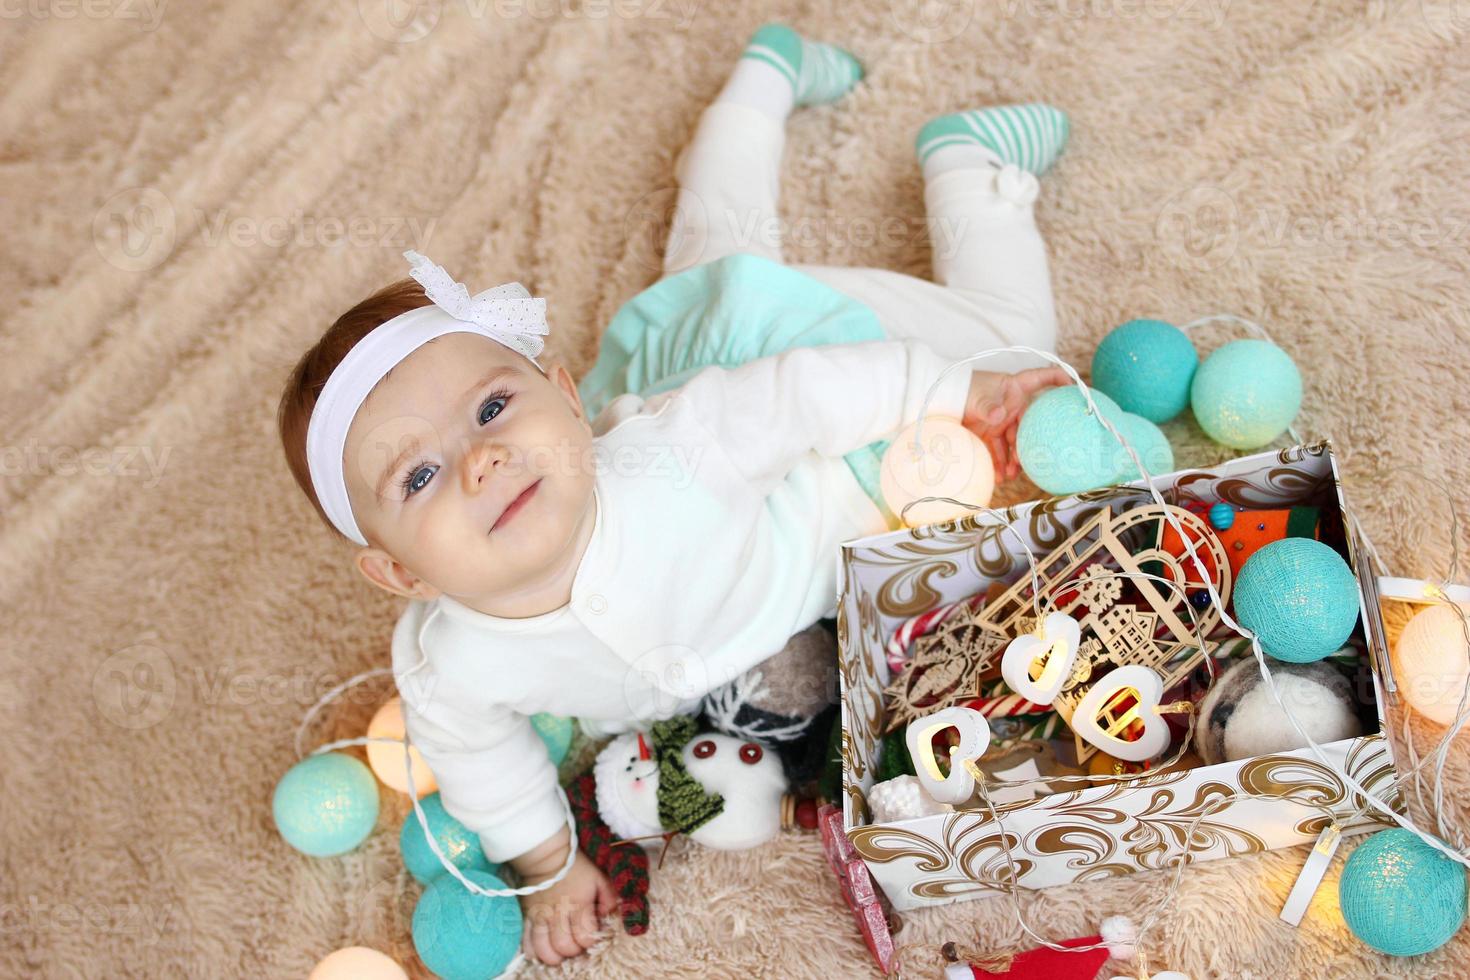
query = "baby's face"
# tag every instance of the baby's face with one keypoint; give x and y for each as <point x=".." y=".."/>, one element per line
<point x="470" y="468"/>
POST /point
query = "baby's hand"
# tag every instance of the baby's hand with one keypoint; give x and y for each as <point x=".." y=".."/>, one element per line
<point x="564" y="920"/>
<point x="994" y="408"/>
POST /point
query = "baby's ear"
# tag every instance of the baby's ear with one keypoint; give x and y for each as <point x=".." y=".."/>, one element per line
<point x="384" y="571"/>
<point x="559" y="376"/>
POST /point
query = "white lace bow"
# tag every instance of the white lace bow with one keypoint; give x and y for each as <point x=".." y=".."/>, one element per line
<point x="506" y="313"/>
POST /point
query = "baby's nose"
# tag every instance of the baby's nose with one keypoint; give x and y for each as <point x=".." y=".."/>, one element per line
<point x="477" y="464"/>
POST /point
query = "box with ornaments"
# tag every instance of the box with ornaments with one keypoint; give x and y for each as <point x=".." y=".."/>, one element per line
<point x="1050" y="693"/>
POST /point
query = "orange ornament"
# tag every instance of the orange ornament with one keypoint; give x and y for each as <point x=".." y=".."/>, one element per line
<point x="1249" y="532"/>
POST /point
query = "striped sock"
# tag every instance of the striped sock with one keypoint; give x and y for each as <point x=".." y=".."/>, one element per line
<point x="818" y="73"/>
<point x="1029" y="136"/>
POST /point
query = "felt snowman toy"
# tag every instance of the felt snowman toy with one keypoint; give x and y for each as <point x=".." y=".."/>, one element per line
<point x="723" y="792"/>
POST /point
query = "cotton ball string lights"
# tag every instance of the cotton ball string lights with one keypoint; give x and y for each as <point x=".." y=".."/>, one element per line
<point x="357" y="963"/>
<point x="1299" y="597"/>
<point x="461" y="935"/>
<point x="387" y="760"/>
<point x="556" y="732"/>
<point x="949" y="461"/>
<point x="326" y="804"/>
<point x="1401" y="896"/>
<point x="1151" y="445"/>
<point x="1246" y="393"/>
<point x="1064" y="448"/>
<point x="1432" y="663"/>
<point x="459" y="844"/>
<point x="1146" y="366"/>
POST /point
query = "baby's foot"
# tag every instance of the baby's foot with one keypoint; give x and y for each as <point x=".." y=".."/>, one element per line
<point x="1029" y="136"/>
<point x="818" y="72"/>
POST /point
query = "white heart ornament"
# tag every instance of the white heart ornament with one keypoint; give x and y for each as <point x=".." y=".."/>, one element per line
<point x="1057" y="639"/>
<point x="974" y="731"/>
<point x="1150" y="688"/>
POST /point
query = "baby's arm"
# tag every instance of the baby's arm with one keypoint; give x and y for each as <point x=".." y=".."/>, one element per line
<point x="769" y="413"/>
<point x="495" y="778"/>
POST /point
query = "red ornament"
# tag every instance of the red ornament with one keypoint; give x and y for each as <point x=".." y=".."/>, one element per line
<point x="1042" y="964"/>
<point x="868" y="905"/>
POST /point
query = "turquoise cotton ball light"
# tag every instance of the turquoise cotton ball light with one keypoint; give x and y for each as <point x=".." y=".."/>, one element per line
<point x="326" y="804"/>
<point x="1147" y="367"/>
<point x="1063" y="449"/>
<point x="1246" y="394"/>
<point x="464" y="936"/>
<point x="1401" y="896"/>
<point x="556" y="732"/>
<point x="1299" y="597"/>
<point x="1152" y="446"/>
<point x="459" y="844"/>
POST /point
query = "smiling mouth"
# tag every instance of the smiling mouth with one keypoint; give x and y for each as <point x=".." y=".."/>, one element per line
<point x="514" y="507"/>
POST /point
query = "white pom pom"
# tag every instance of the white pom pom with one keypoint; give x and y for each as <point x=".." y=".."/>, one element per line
<point x="902" y="798"/>
<point x="1121" y="936"/>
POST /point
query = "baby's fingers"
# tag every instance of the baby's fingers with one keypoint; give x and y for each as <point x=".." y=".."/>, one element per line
<point x="562" y="939"/>
<point x="584" y="927"/>
<point x="538" y="927"/>
<point x="1013" y="459"/>
<point x="998" y="453"/>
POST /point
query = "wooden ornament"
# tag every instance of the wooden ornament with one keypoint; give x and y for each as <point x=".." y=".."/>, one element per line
<point x="1082" y="578"/>
<point x="946" y="668"/>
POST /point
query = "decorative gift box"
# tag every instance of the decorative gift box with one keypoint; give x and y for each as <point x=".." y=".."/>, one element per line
<point x="1115" y="827"/>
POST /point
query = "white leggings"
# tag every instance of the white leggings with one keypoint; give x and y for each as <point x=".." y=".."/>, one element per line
<point x="992" y="286"/>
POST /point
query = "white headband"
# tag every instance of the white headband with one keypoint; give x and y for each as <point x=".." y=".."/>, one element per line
<point x="506" y="314"/>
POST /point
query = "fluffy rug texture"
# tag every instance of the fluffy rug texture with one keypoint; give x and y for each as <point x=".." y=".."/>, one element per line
<point x="193" y="192"/>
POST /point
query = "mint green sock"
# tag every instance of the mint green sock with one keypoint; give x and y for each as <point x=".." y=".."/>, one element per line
<point x="1029" y="136"/>
<point x="818" y="73"/>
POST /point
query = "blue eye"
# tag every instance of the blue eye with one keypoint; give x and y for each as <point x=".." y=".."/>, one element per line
<point x="493" y="406"/>
<point x="417" y="478"/>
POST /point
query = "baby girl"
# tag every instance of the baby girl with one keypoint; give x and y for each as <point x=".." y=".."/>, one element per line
<point x="615" y="550"/>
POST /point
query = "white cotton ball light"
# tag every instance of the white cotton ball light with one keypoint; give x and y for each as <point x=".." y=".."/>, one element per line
<point x="357" y="963"/>
<point x="1431" y="662"/>
<point x="950" y="461"/>
<point x="387" y="760"/>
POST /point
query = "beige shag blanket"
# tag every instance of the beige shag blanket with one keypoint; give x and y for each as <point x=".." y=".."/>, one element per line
<point x="193" y="191"/>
